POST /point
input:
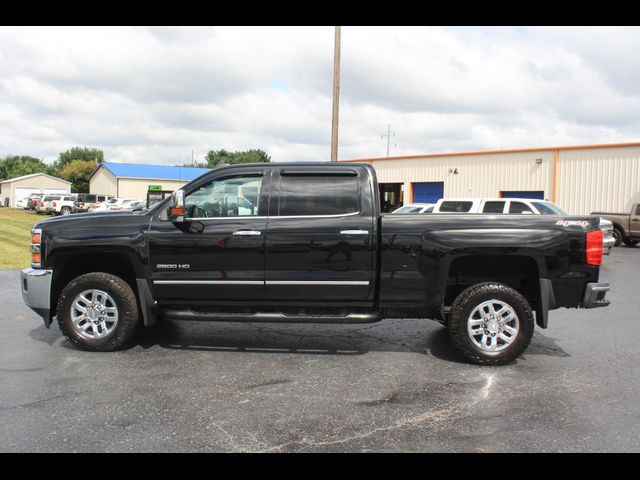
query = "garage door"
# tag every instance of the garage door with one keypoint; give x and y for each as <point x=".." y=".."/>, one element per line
<point x="427" y="192"/>
<point x="524" y="194"/>
<point x="23" y="193"/>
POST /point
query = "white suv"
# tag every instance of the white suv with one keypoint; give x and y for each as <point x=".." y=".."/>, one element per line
<point x="61" y="204"/>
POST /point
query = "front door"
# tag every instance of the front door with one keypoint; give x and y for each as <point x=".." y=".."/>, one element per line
<point x="320" y="245"/>
<point x="218" y="253"/>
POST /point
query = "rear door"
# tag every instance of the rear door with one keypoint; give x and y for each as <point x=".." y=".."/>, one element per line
<point x="320" y="244"/>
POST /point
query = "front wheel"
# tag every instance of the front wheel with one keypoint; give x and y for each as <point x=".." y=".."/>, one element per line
<point x="98" y="312"/>
<point x="491" y="324"/>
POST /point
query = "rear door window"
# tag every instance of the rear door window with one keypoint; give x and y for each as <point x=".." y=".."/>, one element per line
<point x="493" y="207"/>
<point x="456" y="206"/>
<point x="307" y="195"/>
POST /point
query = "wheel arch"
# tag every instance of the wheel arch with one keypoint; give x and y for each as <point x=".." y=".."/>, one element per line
<point x="523" y="273"/>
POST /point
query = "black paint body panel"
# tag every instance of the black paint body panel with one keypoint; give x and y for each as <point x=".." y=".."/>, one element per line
<point x="402" y="261"/>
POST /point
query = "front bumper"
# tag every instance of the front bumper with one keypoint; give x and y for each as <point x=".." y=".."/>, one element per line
<point x="36" y="291"/>
<point x="594" y="295"/>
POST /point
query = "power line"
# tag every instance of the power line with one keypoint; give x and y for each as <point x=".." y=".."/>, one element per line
<point x="389" y="135"/>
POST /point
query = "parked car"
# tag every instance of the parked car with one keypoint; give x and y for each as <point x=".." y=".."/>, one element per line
<point x="60" y="204"/>
<point x="102" y="206"/>
<point x="122" y="204"/>
<point x="626" y="226"/>
<point x="86" y="200"/>
<point x="44" y="204"/>
<point x="33" y="200"/>
<point x="135" y="206"/>
<point x="521" y="206"/>
<point x="415" y="208"/>
<point x="310" y="245"/>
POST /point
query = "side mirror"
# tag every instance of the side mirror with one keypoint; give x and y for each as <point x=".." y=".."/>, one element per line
<point x="176" y="207"/>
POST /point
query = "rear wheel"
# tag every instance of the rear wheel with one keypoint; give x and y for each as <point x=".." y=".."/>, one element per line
<point x="98" y="312"/>
<point x="65" y="211"/>
<point x="491" y="324"/>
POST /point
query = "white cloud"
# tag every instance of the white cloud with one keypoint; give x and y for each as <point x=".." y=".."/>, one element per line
<point x="155" y="94"/>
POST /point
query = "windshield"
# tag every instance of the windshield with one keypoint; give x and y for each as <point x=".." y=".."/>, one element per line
<point x="549" y="208"/>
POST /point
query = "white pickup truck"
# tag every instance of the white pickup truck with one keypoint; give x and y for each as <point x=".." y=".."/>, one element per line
<point x="61" y="204"/>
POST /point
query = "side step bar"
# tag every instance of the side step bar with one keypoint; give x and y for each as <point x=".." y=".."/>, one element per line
<point x="190" y="315"/>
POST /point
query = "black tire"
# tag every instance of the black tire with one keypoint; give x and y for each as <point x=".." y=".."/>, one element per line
<point x="65" y="211"/>
<point x="618" y="236"/>
<point x="631" y="243"/>
<point x="125" y="302"/>
<point x="463" y="307"/>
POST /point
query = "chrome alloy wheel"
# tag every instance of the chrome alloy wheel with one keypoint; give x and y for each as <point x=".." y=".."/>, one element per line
<point x="94" y="314"/>
<point x="493" y="326"/>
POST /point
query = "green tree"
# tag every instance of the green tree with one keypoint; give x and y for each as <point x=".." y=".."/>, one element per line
<point x="219" y="157"/>
<point x="14" y="166"/>
<point x="77" y="172"/>
<point x="78" y="153"/>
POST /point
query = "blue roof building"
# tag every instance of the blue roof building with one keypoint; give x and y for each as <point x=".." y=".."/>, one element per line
<point x="132" y="180"/>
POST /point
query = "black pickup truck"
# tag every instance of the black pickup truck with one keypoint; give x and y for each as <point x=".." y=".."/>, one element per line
<point x="306" y="242"/>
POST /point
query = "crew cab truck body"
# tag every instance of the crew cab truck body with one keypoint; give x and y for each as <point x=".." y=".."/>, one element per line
<point x="626" y="226"/>
<point x="306" y="243"/>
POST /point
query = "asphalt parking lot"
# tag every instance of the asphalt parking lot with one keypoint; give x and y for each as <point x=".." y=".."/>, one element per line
<point x="390" y="386"/>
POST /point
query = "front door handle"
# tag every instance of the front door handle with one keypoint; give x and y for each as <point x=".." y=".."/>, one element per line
<point x="247" y="233"/>
<point x="354" y="232"/>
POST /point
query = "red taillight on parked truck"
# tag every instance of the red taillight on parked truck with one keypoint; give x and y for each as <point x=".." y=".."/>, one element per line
<point x="53" y="204"/>
<point x="594" y="247"/>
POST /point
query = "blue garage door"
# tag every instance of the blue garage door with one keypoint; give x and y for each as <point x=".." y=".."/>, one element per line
<point x="531" y="194"/>
<point x="427" y="192"/>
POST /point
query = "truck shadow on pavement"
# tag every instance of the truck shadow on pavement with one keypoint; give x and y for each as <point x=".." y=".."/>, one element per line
<point x="415" y="336"/>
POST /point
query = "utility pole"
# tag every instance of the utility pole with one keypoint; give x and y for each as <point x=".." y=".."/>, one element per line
<point x="336" y="96"/>
<point x="389" y="135"/>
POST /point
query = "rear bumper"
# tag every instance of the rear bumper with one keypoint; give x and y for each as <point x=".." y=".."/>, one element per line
<point x="608" y="243"/>
<point x="594" y="295"/>
<point x="36" y="291"/>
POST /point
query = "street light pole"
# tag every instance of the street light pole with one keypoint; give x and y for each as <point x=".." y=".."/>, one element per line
<point x="336" y="96"/>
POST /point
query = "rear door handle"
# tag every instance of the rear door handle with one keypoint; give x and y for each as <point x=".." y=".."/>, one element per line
<point x="354" y="232"/>
<point x="247" y="233"/>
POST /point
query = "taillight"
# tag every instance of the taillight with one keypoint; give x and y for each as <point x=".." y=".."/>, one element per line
<point x="42" y="204"/>
<point x="53" y="204"/>
<point x="594" y="247"/>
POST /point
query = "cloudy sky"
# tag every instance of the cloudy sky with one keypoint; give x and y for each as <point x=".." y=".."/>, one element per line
<point x="152" y="95"/>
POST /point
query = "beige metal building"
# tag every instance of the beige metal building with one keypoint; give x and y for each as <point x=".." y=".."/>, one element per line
<point x="581" y="179"/>
<point x="128" y="180"/>
<point x="16" y="190"/>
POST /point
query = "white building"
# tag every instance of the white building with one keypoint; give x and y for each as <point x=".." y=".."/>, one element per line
<point x="581" y="179"/>
<point x="19" y="188"/>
